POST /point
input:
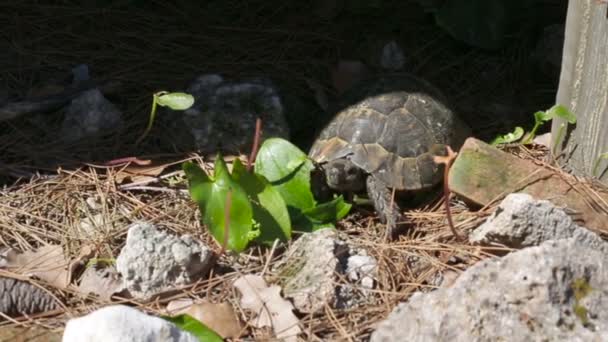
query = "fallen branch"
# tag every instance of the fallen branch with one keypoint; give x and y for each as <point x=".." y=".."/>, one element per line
<point x="447" y="161"/>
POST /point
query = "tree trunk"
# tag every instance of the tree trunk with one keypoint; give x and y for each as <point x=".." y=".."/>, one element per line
<point x="583" y="88"/>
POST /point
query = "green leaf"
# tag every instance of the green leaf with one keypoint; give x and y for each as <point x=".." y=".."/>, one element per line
<point x="210" y="194"/>
<point x="175" y="101"/>
<point x="195" y="327"/>
<point x="328" y="212"/>
<point x="509" y="137"/>
<point x="269" y="208"/>
<point x="562" y="112"/>
<point x="542" y="116"/>
<point x="288" y="169"/>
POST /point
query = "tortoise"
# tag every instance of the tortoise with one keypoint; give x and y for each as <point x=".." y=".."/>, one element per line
<point x="384" y="138"/>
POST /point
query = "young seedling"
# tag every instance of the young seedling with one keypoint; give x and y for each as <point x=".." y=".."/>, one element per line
<point x="508" y="138"/>
<point x="175" y="101"/>
<point x="540" y="117"/>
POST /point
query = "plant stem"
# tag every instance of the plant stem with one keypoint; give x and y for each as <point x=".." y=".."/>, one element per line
<point x="227" y="206"/>
<point x="256" y="143"/>
<point x="150" y="120"/>
<point x="532" y="134"/>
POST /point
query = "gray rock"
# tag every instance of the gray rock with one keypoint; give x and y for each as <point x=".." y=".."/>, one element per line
<point x="18" y="298"/>
<point x="362" y="269"/>
<point x="521" y="221"/>
<point x="120" y="323"/>
<point x="311" y="270"/>
<point x="90" y="115"/>
<point x="224" y="114"/>
<point x="392" y="57"/>
<point x="154" y="261"/>
<point x="557" y="291"/>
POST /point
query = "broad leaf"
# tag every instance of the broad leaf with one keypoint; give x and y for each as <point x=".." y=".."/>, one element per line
<point x="288" y="169"/>
<point x="509" y="137"/>
<point x="328" y="212"/>
<point x="269" y="209"/>
<point x="175" y="101"/>
<point x="560" y="111"/>
<point x="195" y="327"/>
<point x="210" y="194"/>
<point x="542" y="116"/>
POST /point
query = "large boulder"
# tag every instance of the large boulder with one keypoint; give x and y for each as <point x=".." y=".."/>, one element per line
<point x="557" y="291"/>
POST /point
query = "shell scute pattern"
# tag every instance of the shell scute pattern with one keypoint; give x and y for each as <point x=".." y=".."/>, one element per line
<point x="392" y="132"/>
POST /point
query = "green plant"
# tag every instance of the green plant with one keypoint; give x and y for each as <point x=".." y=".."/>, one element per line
<point x="540" y="117"/>
<point x="509" y="137"/>
<point x="261" y="205"/>
<point x="175" y="101"/>
<point x="288" y="169"/>
<point x="195" y="327"/>
<point x="581" y="289"/>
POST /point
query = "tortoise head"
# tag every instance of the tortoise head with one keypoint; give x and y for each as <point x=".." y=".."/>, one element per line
<point x="344" y="176"/>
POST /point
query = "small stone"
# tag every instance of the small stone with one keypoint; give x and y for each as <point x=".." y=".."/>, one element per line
<point x="392" y="57"/>
<point x="521" y="221"/>
<point x="88" y="115"/>
<point x="120" y="323"/>
<point x="363" y="270"/>
<point x="311" y="271"/>
<point x="308" y="271"/>
<point x="553" y="292"/>
<point x="224" y="114"/>
<point x="154" y="261"/>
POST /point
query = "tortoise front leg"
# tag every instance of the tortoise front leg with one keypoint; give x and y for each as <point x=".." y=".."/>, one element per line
<point x="381" y="196"/>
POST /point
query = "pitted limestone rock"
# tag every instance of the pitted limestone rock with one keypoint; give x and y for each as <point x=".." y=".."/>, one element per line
<point x="119" y="323"/>
<point x="310" y="272"/>
<point x="154" y="261"/>
<point x="521" y="221"/>
<point x="557" y="291"/>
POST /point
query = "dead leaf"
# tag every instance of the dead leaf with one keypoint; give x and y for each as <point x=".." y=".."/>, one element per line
<point x="270" y="308"/>
<point x="347" y="73"/>
<point x="220" y="317"/>
<point x="47" y="263"/>
<point x="138" y="173"/>
<point x="127" y="160"/>
<point x="102" y="281"/>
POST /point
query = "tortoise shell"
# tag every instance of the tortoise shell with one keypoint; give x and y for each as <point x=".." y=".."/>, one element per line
<point x="391" y="128"/>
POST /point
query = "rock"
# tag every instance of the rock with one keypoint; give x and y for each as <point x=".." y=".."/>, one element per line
<point x="362" y="269"/>
<point x="310" y="272"/>
<point x="521" y="221"/>
<point x="557" y="291"/>
<point x="18" y="298"/>
<point x="119" y="323"/>
<point x="153" y="261"/>
<point x="88" y="115"/>
<point x="392" y="57"/>
<point x="482" y="174"/>
<point x="224" y="114"/>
